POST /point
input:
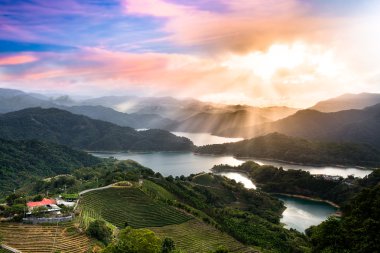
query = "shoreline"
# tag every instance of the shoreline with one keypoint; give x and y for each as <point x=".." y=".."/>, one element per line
<point x="241" y="158"/>
<point x="251" y="158"/>
<point x="307" y="198"/>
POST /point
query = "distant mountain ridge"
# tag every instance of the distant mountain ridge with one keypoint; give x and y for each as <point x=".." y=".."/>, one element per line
<point x="14" y="100"/>
<point x="290" y="149"/>
<point x="78" y="131"/>
<point x="359" y="126"/>
<point x="150" y="112"/>
<point x="347" y="102"/>
<point x="119" y="118"/>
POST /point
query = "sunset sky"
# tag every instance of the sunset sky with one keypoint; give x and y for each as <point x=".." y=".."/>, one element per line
<point x="258" y="52"/>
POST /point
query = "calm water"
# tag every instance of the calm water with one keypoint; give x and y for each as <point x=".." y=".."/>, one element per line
<point x="186" y="163"/>
<point x="201" y="139"/>
<point x="301" y="214"/>
<point x="240" y="178"/>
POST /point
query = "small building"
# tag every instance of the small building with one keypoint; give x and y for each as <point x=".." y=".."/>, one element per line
<point x="50" y="205"/>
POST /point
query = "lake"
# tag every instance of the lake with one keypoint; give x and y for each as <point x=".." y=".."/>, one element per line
<point x="186" y="163"/>
<point x="201" y="139"/>
<point x="302" y="213"/>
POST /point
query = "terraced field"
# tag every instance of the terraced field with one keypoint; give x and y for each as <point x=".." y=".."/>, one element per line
<point x="197" y="237"/>
<point x="44" y="238"/>
<point x="120" y="205"/>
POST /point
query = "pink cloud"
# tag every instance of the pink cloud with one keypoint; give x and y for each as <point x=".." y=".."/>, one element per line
<point x="245" y="25"/>
<point x="17" y="59"/>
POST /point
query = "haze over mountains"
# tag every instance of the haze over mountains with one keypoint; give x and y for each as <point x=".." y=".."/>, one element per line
<point x="362" y="126"/>
<point x="189" y="115"/>
<point x="347" y="102"/>
<point x="150" y="112"/>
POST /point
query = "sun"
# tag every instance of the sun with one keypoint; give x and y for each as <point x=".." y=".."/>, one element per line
<point x="305" y="59"/>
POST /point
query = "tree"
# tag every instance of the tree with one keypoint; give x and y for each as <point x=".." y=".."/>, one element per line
<point x="168" y="245"/>
<point x="12" y="198"/>
<point x="135" y="241"/>
<point x="38" y="198"/>
<point x="99" y="230"/>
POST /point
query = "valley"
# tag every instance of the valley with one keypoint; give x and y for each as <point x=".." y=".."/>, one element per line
<point x="178" y="126"/>
<point x="204" y="192"/>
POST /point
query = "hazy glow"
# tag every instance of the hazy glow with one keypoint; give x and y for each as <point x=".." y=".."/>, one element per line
<point x="284" y="57"/>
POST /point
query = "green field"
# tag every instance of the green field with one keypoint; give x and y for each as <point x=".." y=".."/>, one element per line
<point x="197" y="237"/>
<point x="44" y="238"/>
<point x="119" y="205"/>
<point x="4" y="251"/>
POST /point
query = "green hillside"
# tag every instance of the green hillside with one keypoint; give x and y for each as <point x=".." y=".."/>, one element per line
<point x="281" y="147"/>
<point x="24" y="161"/>
<point x="78" y="131"/>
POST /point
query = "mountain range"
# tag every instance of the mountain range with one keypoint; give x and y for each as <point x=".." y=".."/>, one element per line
<point x="149" y="112"/>
<point x="360" y="126"/>
<point x="347" y="102"/>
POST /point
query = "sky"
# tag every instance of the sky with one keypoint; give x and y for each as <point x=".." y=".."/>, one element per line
<point x="256" y="52"/>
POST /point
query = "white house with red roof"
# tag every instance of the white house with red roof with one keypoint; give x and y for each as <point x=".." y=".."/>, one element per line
<point x="49" y="204"/>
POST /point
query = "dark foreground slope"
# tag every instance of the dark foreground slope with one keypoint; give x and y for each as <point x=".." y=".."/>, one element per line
<point x="281" y="147"/>
<point x="81" y="132"/>
<point x="23" y="161"/>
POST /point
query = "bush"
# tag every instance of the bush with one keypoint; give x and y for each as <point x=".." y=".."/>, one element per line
<point x="98" y="229"/>
<point x="168" y="245"/>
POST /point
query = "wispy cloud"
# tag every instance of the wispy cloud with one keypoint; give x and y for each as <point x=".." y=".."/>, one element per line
<point x="17" y="59"/>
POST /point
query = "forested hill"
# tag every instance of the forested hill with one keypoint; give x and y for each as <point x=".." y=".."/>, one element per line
<point x="21" y="161"/>
<point x="281" y="147"/>
<point x="78" y="131"/>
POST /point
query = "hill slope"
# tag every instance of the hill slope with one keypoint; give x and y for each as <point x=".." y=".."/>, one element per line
<point x="22" y="161"/>
<point x="81" y="132"/>
<point x="282" y="147"/>
<point x="347" y="102"/>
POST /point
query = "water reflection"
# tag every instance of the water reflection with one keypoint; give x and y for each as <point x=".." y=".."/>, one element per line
<point x="201" y="139"/>
<point x="301" y="213"/>
<point x="240" y="178"/>
<point x="186" y="163"/>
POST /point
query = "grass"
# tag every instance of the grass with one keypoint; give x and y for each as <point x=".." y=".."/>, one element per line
<point x="44" y="238"/>
<point x="120" y="205"/>
<point x="197" y="237"/>
<point x="4" y="251"/>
